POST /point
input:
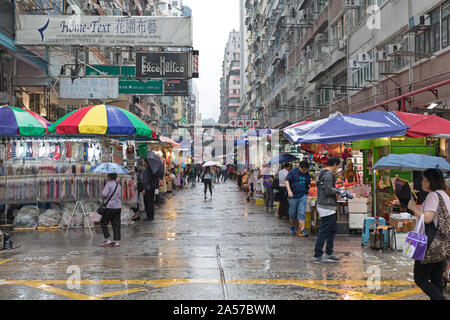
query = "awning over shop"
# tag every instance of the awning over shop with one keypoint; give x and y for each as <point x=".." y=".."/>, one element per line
<point x="170" y="141"/>
<point x="348" y="128"/>
<point x="425" y="125"/>
<point x="411" y="161"/>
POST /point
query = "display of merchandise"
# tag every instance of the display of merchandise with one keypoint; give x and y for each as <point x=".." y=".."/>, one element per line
<point x="23" y="189"/>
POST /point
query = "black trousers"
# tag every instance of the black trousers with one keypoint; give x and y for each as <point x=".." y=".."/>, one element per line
<point x="113" y="216"/>
<point x="149" y="202"/>
<point x="428" y="277"/>
<point x="207" y="183"/>
<point x="283" y="210"/>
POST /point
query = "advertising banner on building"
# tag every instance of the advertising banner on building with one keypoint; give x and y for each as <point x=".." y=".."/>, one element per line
<point x="163" y="65"/>
<point x="104" y="30"/>
<point x="176" y="88"/>
<point x="92" y="88"/>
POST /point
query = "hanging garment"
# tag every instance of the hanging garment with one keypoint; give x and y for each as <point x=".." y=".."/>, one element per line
<point x="69" y="150"/>
<point x="85" y="152"/>
<point x="29" y="150"/>
<point x="57" y="152"/>
<point x="35" y="149"/>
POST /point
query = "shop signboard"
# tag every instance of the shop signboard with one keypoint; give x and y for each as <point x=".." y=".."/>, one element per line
<point x="104" y="30"/>
<point x="163" y="65"/>
<point x="89" y="88"/>
<point x="128" y="86"/>
<point x="233" y="123"/>
<point x="176" y="88"/>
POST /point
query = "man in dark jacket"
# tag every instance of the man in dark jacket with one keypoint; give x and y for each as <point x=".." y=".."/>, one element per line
<point x="151" y="183"/>
<point x="327" y="207"/>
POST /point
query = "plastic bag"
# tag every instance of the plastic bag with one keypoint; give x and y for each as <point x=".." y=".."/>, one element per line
<point x="66" y="216"/>
<point x="27" y="217"/>
<point x="126" y="215"/>
<point x="7" y="241"/>
<point x="50" y="218"/>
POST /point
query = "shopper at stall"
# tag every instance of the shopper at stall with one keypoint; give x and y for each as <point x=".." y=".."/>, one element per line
<point x="207" y="179"/>
<point x="151" y="183"/>
<point x="139" y="173"/>
<point x="268" y="190"/>
<point x="112" y="197"/>
<point x="297" y="185"/>
<point x="251" y="182"/>
<point x="283" y="208"/>
<point x="436" y="211"/>
<point x="327" y="208"/>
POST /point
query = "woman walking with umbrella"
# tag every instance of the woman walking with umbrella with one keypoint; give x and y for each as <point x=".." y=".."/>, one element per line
<point x="207" y="179"/>
<point x="112" y="193"/>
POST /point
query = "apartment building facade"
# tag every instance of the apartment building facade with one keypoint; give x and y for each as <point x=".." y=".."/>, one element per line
<point x="230" y="84"/>
<point x="310" y="58"/>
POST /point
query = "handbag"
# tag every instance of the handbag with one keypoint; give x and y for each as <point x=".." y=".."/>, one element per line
<point x="439" y="249"/>
<point x="415" y="245"/>
<point x="102" y="210"/>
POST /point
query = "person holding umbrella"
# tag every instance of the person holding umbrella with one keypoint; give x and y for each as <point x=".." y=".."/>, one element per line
<point x="154" y="170"/>
<point x="112" y="194"/>
<point x="207" y="179"/>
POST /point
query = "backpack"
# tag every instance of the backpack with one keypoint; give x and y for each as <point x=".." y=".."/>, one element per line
<point x="439" y="249"/>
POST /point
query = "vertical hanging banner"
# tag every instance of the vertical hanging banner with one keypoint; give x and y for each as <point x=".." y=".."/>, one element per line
<point x="104" y="30"/>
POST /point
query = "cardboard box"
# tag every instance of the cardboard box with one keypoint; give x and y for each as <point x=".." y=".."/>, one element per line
<point x="356" y="220"/>
<point x="401" y="223"/>
<point x="360" y="205"/>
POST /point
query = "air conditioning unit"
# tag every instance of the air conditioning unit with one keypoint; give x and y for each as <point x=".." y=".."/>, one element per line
<point x="108" y="11"/>
<point x="352" y="3"/>
<point x="320" y="37"/>
<point x="302" y="15"/>
<point x="353" y="63"/>
<point x="392" y="48"/>
<point x="381" y="56"/>
<point x="342" y="45"/>
<point x="90" y="6"/>
<point x="423" y="20"/>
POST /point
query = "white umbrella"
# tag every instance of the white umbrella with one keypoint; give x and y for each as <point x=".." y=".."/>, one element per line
<point x="210" y="164"/>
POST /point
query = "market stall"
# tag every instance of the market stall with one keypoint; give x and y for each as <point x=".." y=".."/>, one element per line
<point x="54" y="168"/>
<point x="331" y="134"/>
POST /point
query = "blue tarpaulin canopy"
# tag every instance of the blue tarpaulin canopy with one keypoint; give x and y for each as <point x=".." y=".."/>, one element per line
<point x="347" y="128"/>
<point x="411" y="161"/>
<point x="282" y="158"/>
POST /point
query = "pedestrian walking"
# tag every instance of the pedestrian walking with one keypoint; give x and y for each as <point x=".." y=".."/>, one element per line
<point x="224" y="173"/>
<point x="151" y="183"/>
<point x="297" y="185"/>
<point x="112" y="197"/>
<point x="139" y="172"/>
<point x="207" y="179"/>
<point x="436" y="211"/>
<point x="251" y="182"/>
<point x="193" y="176"/>
<point x="283" y="208"/>
<point x="327" y="207"/>
<point x="268" y="181"/>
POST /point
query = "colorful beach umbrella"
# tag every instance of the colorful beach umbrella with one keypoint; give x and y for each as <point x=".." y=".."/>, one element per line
<point x="103" y="119"/>
<point x="109" y="168"/>
<point x="17" y="121"/>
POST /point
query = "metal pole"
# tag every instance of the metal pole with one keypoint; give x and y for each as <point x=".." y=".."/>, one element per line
<point x="374" y="175"/>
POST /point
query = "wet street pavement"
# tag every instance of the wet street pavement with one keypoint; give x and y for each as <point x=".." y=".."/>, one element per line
<point x="219" y="248"/>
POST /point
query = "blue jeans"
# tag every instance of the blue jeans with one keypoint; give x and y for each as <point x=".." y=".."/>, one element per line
<point x="297" y="208"/>
<point x="327" y="232"/>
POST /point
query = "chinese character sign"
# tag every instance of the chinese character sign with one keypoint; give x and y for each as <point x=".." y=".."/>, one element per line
<point x="104" y="30"/>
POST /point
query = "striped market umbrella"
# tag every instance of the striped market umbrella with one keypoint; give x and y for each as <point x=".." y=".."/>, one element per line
<point x="17" y="121"/>
<point x="109" y="168"/>
<point x="103" y="119"/>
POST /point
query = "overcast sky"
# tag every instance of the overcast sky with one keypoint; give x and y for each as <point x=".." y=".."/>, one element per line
<point x="213" y="20"/>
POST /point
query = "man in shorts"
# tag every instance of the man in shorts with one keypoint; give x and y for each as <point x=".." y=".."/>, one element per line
<point x="297" y="184"/>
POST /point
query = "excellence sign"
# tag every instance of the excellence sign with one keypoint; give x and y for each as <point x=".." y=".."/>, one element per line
<point x="104" y="30"/>
<point x="163" y="65"/>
